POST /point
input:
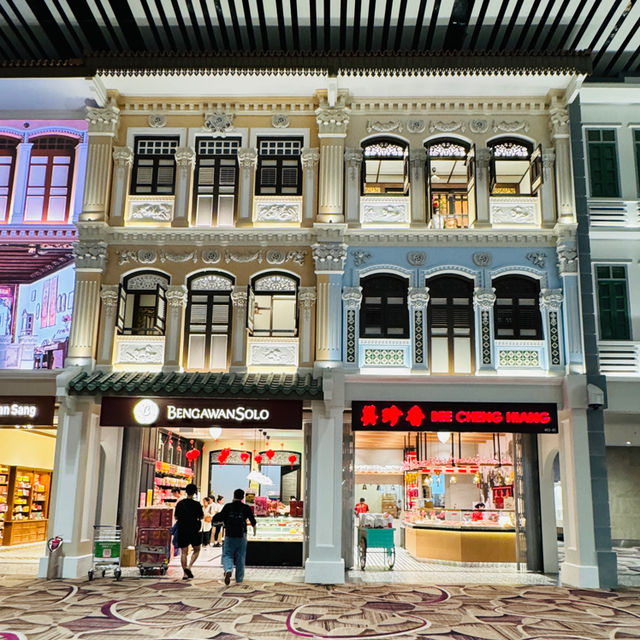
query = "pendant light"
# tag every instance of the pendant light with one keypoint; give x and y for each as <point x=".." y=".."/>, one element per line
<point x="215" y="432"/>
<point x="444" y="436"/>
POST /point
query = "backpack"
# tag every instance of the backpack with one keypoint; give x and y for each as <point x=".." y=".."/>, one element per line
<point x="235" y="523"/>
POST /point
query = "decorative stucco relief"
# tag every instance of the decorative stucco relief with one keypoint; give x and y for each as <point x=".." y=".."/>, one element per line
<point x="151" y="211"/>
<point x="384" y="210"/>
<point x="132" y="351"/>
<point x="277" y="211"/>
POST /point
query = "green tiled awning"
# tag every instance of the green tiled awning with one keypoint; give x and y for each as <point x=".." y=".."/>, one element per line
<point x="244" y="385"/>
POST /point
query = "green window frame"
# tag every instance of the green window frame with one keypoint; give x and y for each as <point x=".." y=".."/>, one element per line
<point x="602" y="153"/>
<point x="613" y="302"/>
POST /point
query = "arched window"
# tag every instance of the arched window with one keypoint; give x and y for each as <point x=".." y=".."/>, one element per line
<point x="8" y="152"/>
<point x="273" y="305"/>
<point x="517" y="308"/>
<point x="451" y="177"/>
<point x="515" y="168"/>
<point x="208" y="320"/>
<point x="385" y="167"/>
<point x="50" y="179"/>
<point x="450" y="324"/>
<point x="142" y="306"/>
<point x="384" y="312"/>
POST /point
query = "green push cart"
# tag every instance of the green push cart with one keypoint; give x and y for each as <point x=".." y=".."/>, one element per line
<point x="380" y="540"/>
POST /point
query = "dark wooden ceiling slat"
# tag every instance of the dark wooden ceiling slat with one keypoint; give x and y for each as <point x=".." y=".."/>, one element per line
<point x="402" y="12"/>
<point x="71" y="30"/>
<point x="237" y="33"/>
<point x="109" y="27"/>
<point x="432" y="24"/>
<point x="182" y="27"/>
<point x="327" y="25"/>
<point x="556" y="23"/>
<point x="249" y="23"/>
<point x="509" y="32"/>
<point x="386" y="25"/>
<point x="313" y="24"/>
<point x="537" y="34"/>
<point x="479" y="24"/>
<point x="295" y="29"/>
<point x="621" y="49"/>
<point x="370" y="23"/>
<point x="264" y="32"/>
<point x="527" y="24"/>
<point x="355" y="41"/>
<point x="152" y="24"/>
<point x="343" y="26"/>
<point x="603" y="26"/>
<point x="127" y="23"/>
<point x="88" y="25"/>
<point x="195" y="25"/>
<point x="27" y="46"/>
<point x="221" y="25"/>
<point x="282" y="32"/>
<point x="165" y="24"/>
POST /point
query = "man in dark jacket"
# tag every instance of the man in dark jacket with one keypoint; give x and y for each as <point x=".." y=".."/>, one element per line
<point x="234" y="516"/>
<point x="189" y="516"/>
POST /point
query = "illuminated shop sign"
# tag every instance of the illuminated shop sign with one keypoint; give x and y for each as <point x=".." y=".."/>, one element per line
<point x="36" y="410"/>
<point x="201" y="412"/>
<point x="455" y="416"/>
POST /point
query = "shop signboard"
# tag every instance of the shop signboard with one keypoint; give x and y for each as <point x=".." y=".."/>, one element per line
<point x="32" y="410"/>
<point x="201" y="412"/>
<point x="505" y="417"/>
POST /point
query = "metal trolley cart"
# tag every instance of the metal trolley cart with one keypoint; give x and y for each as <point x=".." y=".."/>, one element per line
<point x="153" y="550"/>
<point x="379" y="539"/>
<point x="106" y="551"/>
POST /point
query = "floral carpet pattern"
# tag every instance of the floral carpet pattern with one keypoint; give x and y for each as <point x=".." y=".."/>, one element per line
<point x="164" y="609"/>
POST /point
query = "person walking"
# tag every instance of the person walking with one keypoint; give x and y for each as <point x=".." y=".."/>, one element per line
<point x="234" y="516"/>
<point x="217" y="508"/>
<point x="207" y="508"/>
<point x="189" y="515"/>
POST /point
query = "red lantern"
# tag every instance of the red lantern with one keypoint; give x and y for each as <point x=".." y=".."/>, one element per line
<point x="221" y="458"/>
<point x="244" y="456"/>
<point x="257" y="458"/>
<point x="192" y="455"/>
<point x="292" y="459"/>
<point x="270" y="453"/>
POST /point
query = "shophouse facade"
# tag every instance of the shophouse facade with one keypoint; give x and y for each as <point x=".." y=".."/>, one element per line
<point x="606" y="142"/>
<point x="313" y="241"/>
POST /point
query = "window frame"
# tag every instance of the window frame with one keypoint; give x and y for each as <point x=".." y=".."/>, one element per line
<point x="592" y="145"/>
<point x="134" y="188"/>
<point x="383" y="307"/>
<point x="534" y="159"/>
<point x="11" y="151"/>
<point x="272" y="333"/>
<point x="628" y="333"/>
<point x="128" y="296"/>
<point x="280" y="167"/>
<point x="385" y="140"/>
<point x="517" y="322"/>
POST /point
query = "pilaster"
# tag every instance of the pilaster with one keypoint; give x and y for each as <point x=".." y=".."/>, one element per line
<point x="548" y="189"/>
<point x="483" y="301"/>
<point x="483" y="157"/>
<point x="417" y="162"/>
<point x="109" y="297"/>
<point x="239" y="298"/>
<point x="550" y="307"/>
<point x="247" y="160"/>
<point x="306" y="302"/>
<point x="352" y="299"/>
<point x="103" y="124"/>
<point x="310" y="158"/>
<point x="185" y="162"/>
<point x="122" y="163"/>
<point x="559" y="125"/>
<point x="352" y="171"/>
<point x="418" y="299"/>
<point x="176" y="303"/>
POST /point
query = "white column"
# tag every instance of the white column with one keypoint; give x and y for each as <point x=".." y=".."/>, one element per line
<point x="185" y="161"/>
<point x="352" y="299"/>
<point x="107" y="498"/>
<point x="329" y="259"/>
<point x="176" y="302"/>
<point x="21" y="177"/>
<point x="417" y="161"/>
<point x="559" y="123"/>
<point x="122" y="162"/>
<point x="550" y="306"/>
<point x="483" y="157"/>
<point x="309" y="158"/>
<point x="103" y="124"/>
<point x="109" y="296"/>
<point x="418" y="299"/>
<point x="547" y="190"/>
<point x="239" y="329"/>
<point x="483" y="301"/>
<point x="306" y="301"/>
<point x="90" y="260"/>
<point x="247" y="159"/>
<point x="352" y="169"/>
<point x="325" y="565"/>
<point x="75" y="485"/>
<point x="332" y="131"/>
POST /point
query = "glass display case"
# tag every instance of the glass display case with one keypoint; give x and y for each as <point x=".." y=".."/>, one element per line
<point x="468" y="519"/>
<point x="279" y="529"/>
<point x="277" y="543"/>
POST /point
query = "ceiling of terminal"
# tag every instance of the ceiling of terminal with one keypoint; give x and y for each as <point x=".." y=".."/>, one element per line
<point x="85" y="32"/>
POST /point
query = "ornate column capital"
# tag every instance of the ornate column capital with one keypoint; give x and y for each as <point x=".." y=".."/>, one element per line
<point x="483" y="156"/>
<point x="567" y="253"/>
<point x="352" y="157"/>
<point x="247" y="157"/>
<point x="103" y="121"/>
<point x="310" y="157"/>
<point x="352" y="297"/>
<point x="417" y="158"/>
<point x="90" y="255"/>
<point x="558" y="118"/>
<point x="484" y="298"/>
<point x="123" y="156"/>
<point x="332" y="121"/>
<point x="109" y="296"/>
<point x="418" y="297"/>
<point x="239" y="297"/>
<point x="185" y="157"/>
<point x="329" y="257"/>
<point x="551" y="299"/>
<point x="306" y="298"/>
<point x="548" y="158"/>
<point x="176" y="295"/>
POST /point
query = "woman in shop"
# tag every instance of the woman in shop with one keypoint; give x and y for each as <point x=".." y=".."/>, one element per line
<point x="207" y="508"/>
<point x="217" y="508"/>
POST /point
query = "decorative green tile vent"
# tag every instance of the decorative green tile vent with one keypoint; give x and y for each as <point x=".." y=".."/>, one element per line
<point x="384" y="357"/>
<point x="518" y="358"/>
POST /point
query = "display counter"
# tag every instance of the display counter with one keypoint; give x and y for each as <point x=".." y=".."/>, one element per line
<point x="456" y="535"/>
<point x="277" y="543"/>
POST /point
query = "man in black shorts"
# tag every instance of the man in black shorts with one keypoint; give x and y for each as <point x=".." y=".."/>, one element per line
<point x="189" y="515"/>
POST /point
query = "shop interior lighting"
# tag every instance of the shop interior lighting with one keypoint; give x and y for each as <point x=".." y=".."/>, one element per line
<point x="215" y="432"/>
<point x="444" y="436"/>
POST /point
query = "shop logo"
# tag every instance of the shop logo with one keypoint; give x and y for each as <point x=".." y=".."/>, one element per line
<point x="16" y="410"/>
<point x="146" y="412"/>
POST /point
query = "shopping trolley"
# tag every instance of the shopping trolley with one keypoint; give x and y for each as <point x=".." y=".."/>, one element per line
<point x="379" y="539"/>
<point x="106" y="550"/>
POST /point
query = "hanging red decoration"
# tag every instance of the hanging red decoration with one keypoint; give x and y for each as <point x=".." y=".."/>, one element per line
<point x="221" y="459"/>
<point x="224" y="455"/>
<point x="244" y="456"/>
<point x="292" y="459"/>
<point x="270" y="453"/>
<point x="192" y="455"/>
<point x="257" y="458"/>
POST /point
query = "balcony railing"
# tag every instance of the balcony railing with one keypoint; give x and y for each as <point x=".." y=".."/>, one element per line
<point x="384" y="352"/>
<point x="385" y="211"/>
<point x="520" y="354"/>
<point x="614" y="212"/>
<point x="514" y="211"/>
<point x="619" y="358"/>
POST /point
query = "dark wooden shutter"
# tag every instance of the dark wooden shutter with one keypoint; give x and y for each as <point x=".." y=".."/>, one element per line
<point x="122" y="308"/>
<point x="535" y="170"/>
<point x="603" y="170"/>
<point x="613" y="308"/>
<point x="160" y="316"/>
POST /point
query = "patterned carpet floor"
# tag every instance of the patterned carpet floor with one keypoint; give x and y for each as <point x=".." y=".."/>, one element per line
<point x="139" y="608"/>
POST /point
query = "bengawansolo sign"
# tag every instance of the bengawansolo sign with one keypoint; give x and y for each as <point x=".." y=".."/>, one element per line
<point x="201" y="412"/>
<point x="455" y="416"/>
